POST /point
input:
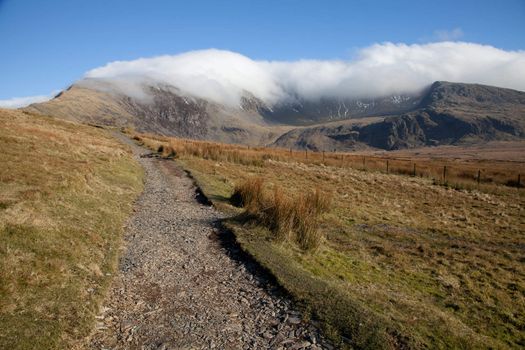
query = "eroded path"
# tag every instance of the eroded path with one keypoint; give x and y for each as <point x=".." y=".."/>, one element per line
<point x="181" y="287"/>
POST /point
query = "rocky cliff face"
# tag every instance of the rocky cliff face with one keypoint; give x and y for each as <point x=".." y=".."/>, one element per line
<point x="170" y="113"/>
<point x="302" y="112"/>
<point x="162" y="110"/>
<point x="449" y="113"/>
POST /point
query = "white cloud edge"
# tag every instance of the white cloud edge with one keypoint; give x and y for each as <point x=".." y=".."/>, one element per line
<point x="378" y="70"/>
<point x="18" y="102"/>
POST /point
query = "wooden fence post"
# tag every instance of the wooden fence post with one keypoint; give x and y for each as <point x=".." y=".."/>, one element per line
<point x="444" y="174"/>
<point x="387" y="170"/>
<point x="414" y="170"/>
<point x="323" y="156"/>
<point x="479" y="177"/>
<point x="519" y="181"/>
<point x="364" y="163"/>
<point x="306" y="153"/>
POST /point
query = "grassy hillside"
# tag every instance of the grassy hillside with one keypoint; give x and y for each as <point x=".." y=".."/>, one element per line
<point x="404" y="262"/>
<point x="65" y="192"/>
<point x="162" y="110"/>
<point x="85" y="105"/>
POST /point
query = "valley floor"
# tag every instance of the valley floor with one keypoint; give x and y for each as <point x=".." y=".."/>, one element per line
<point x="405" y="263"/>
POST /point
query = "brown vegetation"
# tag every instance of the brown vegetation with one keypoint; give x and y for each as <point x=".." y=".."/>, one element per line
<point x="249" y="195"/>
<point x="456" y="172"/>
<point x="289" y="218"/>
<point x="65" y="191"/>
<point x="404" y="263"/>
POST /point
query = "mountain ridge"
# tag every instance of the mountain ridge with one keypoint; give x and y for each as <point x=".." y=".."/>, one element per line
<point x="441" y="114"/>
<point x="164" y="110"/>
<point x="449" y="113"/>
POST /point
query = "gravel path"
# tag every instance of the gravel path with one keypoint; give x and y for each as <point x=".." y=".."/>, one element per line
<point x="181" y="285"/>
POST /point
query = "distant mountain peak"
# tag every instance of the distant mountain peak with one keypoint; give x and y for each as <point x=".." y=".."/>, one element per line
<point x="449" y="113"/>
<point x="443" y="93"/>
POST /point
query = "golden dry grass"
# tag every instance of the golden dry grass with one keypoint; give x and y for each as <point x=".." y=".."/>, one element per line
<point x="249" y="195"/>
<point x="469" y="173"/>
<point x="405" y="262"/>
<point x="294" y="219"/>
<point x="65" y="191"/>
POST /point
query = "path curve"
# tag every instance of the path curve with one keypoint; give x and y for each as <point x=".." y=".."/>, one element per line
<point x="180" y="287"/>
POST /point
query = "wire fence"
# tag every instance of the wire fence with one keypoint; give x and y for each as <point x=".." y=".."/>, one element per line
<point x="450" y="172"/>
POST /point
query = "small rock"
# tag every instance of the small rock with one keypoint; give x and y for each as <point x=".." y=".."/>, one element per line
<point x="313" y="338"/>
<point x="294" y="320"/>
<point x="301" y="345"/>
<point x="267" y="335"/>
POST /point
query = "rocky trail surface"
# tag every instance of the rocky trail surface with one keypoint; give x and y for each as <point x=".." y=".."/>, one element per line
<point x="183" y="284"/>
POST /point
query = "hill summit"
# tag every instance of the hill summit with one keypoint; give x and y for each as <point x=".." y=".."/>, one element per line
<point x="448" y="113"/>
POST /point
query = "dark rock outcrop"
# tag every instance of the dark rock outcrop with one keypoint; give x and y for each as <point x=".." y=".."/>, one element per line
<point x="449" y="113"/>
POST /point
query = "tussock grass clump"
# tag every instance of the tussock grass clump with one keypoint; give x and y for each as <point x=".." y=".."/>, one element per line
<point x="289" y="218"/>
<point x="249" y="195"/>
<point x="148" y="142"/>
<point x="281" y="215"/>
<point x="166" y="151"/>
<point x="309" y="208"/>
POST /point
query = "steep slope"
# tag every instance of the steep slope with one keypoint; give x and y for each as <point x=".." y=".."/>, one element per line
<point x="161" y="109"/>
<point x="150" y="106"/>
<point x="65" y="192"/>
<point x="300" y="111"/>
<point x="449" y="113"/>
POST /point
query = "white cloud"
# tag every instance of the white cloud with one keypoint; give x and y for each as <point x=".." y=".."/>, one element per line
<point x="17" y="102"/>
<point x="214" y="74"/>
<point x="448" y="35"/>
<point x="377" y="70"/>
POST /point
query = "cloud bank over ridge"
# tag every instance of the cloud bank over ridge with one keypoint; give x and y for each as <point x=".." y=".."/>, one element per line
<point x="377" y="70"/>
<point x="17" y="102"/>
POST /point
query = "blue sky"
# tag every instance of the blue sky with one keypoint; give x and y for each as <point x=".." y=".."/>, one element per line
<point x="47" y="45"/>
